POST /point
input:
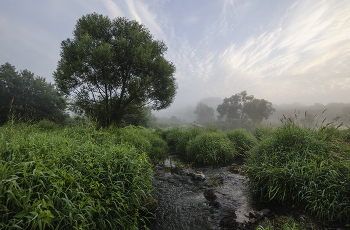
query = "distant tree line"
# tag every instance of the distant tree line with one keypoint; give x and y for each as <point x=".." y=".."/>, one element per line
<point x="28" y="97"/>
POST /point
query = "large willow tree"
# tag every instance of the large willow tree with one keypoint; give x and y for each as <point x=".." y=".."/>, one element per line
<point x="113" y="68"/>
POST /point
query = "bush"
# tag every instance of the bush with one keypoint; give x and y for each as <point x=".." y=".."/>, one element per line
<point x="304" y="166"/>
<point x="242" y="139"/>
<point x="66" y="180"/>
<point x="186" y="136"/>
<point x="210" y="148"/>
<point x="172" y="137"/>
<point x="144" y="140"/>
<point x="262" y="132"/>
<point x="47" y="125"/>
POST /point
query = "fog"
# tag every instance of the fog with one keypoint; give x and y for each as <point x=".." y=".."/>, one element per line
<point x="283" y="51"/>
<point x="336" y="113"/>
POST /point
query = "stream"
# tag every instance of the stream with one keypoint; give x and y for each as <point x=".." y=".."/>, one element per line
<point x="182" y="202"/>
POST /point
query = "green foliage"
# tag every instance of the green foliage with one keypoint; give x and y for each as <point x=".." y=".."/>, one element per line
<point x="144" y="140"/>
<point x="262" y="132"/>
<point x="242" y="139"/>
<point x="65" y="179"/>
<point x="144" y="118"/>
<point x="210" y="148"/>
<point x="27" y="97"/>
<point x="241" y="106"/>
<point x="231" y="124"/>
<point x="187" y="135"/>
<point x="304" y="166"/>
<point x="172" y="136"/>
<point x="204" y="113"/>
<point x="47" y="125"/>
<point x="113" y="68"/>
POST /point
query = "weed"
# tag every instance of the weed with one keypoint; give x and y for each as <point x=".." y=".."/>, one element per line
<point x="302" y="165"/>
<point x="242" y="139"/>
<point x="210" y="148"/>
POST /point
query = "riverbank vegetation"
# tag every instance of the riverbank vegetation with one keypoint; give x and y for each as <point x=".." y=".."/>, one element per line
<point x="74" y="178"/>
<point x="308" y="167"/>
<point x="84" y="176"/>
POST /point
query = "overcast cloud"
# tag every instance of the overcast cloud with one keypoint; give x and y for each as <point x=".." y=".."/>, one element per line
<point x="282" y="51"/>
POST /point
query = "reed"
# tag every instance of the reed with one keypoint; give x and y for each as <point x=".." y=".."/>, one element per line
<point x="67" y="179"/>
<point x="305" y="166"/>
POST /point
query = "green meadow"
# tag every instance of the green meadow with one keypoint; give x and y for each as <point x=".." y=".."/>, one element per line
<point x="85" y="177"/>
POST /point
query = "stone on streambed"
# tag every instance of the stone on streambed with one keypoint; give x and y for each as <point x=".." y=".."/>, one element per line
<point x="259" y="214"/>
<point x="197" y="176"/>
<point x="209" y="194"/>
<point x="229" y="221"/>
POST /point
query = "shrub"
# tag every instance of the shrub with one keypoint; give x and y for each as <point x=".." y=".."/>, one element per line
<point x="64" y="180"/>
<point x="186" y="136"/>
<point x="144" y="140"/>
<point x="303" y="166"/>
<point x="172" y="137"/>
<point x="242" y="139"/>
<point x="210" y="148"/>
<point x="47" y="125"/>
<point x="262" y="132"/>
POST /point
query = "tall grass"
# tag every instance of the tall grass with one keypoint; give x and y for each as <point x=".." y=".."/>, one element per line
<point x="242" y="139"/>
<point x="304" y="166"/>
<point x="210" y="148"/>
<point x="66" y="179"/>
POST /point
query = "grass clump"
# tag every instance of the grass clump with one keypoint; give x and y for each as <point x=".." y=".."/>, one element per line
<point x="209" y="148"/>
<point x="172" y="137"/>
<point x="144" y="140"/>
<point x="65" y="179"/>
<point x="262" y="132"/>
<point x="242" y="139"/>
<point x="47" y="125"/>
<point x="187" y="135"/>
<point x="303" y="166"/>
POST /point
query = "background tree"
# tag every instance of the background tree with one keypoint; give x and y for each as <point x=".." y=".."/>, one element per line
<point x="258" y="110"/>
<point x="204" y="113"/>
<point x="28" y="97"/>
<point x="113" y="68"/>
<point x="242" y="106"/>
<point x="232" y="107"/>
<point x="144" y="118"/>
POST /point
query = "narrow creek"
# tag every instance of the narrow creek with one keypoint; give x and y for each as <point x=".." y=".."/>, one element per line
<point x="188" y="202"/>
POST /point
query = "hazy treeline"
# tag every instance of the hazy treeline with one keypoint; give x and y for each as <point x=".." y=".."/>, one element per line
<point x="307" y="114"/>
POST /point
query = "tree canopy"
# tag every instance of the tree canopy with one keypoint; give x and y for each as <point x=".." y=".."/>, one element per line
<point x="242" y="106"/>
<point x="113" y="68"/>
<point x="204" y="113"/>
<point x="29" y="97"/>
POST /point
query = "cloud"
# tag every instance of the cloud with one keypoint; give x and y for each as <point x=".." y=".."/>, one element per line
<point x="113" y="9"/>
<point x="131" y="7"/>
<point x="310" y="41"/>
<point x="150" y="19"/>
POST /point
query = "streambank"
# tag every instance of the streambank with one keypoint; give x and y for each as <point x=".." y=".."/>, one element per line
<point x="214" y="197"/>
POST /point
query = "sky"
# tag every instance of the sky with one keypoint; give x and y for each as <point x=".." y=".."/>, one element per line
<point x="282" y="51"/>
